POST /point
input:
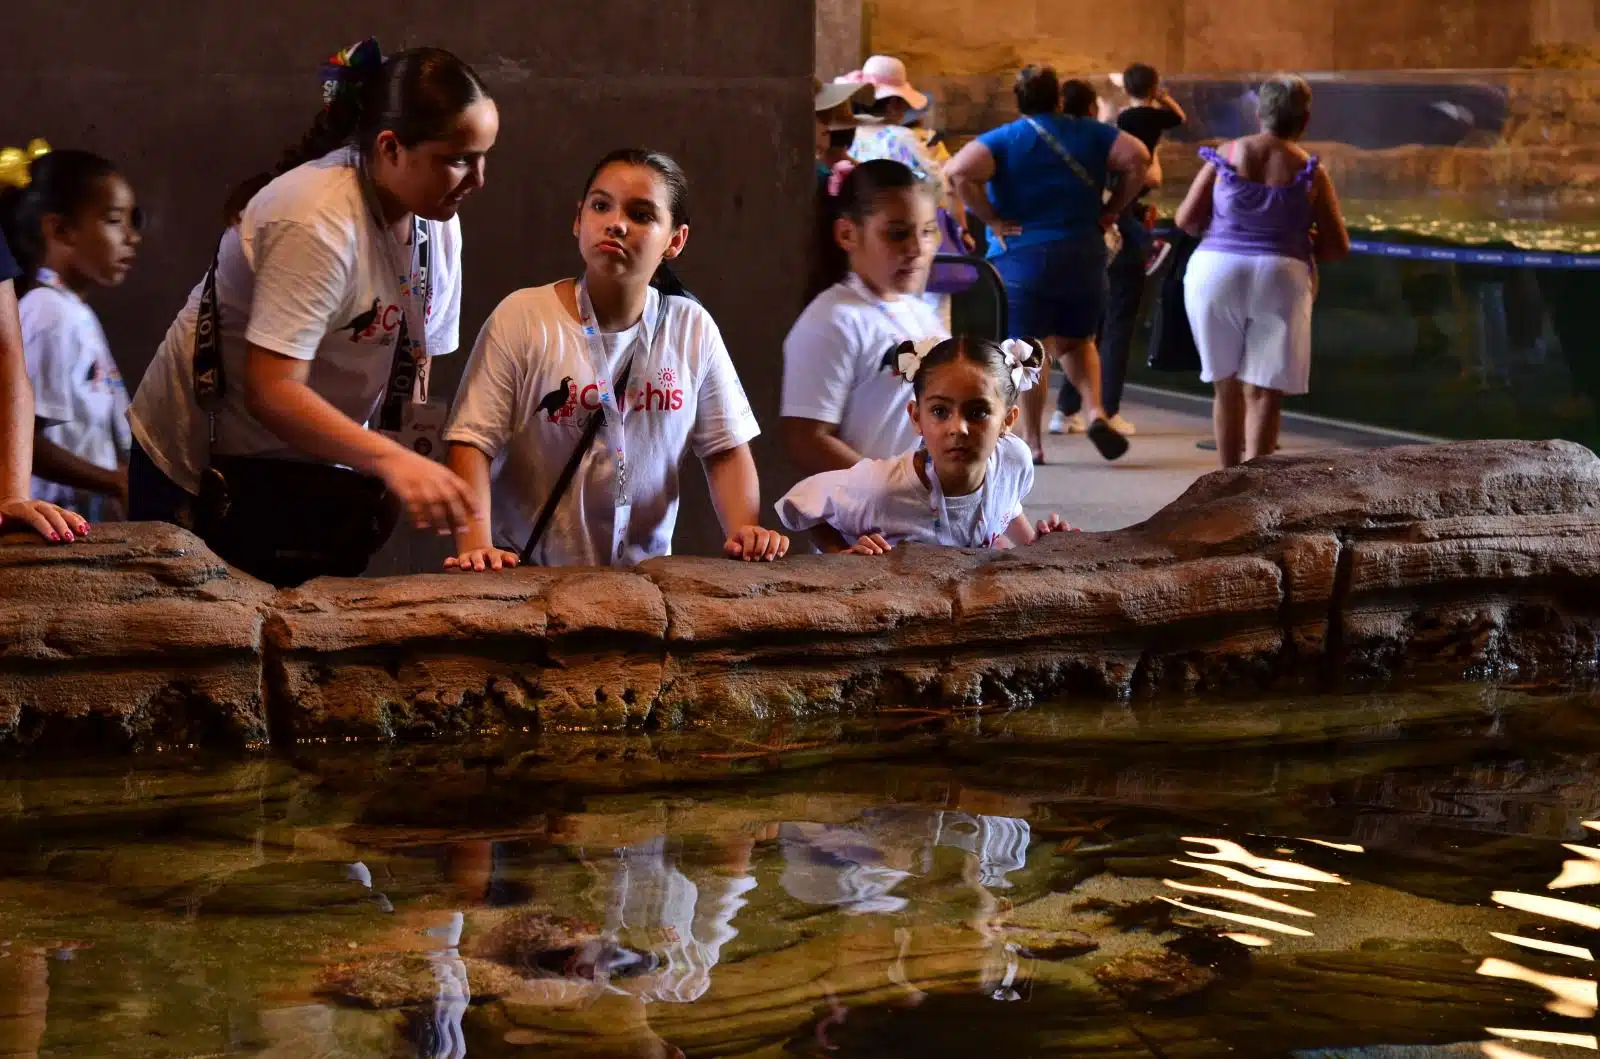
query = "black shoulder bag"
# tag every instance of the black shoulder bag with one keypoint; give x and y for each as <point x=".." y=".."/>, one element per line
<point x="288" y="521"/>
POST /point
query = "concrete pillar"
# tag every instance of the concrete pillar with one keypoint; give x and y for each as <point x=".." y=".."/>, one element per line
<point x="841" y="44"/>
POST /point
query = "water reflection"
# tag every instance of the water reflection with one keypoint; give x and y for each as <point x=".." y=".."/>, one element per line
<point x="1045" y="887"/>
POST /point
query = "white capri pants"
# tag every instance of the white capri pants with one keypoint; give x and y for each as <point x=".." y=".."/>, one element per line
<point x="1251" y="317"/>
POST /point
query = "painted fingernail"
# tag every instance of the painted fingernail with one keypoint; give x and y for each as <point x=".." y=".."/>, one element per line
<point x="54" y="535"/>
<point x="69" y="536"/>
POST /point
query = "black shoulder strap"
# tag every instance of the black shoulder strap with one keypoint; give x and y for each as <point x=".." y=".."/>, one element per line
<point x="209" y="383"/>
<point x="559" y="490"/>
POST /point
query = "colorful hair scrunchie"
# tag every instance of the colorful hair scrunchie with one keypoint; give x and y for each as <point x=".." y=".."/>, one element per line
<point x="344" y="70"/>
<point x="15" y="163"/>
<point x="837" y="175"/>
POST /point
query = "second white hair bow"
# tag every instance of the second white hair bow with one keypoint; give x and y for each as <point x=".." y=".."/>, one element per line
<point x="912" y="354"/>
<point x="1018" y="352"/>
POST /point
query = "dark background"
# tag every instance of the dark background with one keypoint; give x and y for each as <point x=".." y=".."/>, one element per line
<point x="190" y="97"/>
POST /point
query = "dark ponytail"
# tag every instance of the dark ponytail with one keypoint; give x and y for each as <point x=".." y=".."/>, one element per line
<point x="61" y="182"/>
<point x="857" y="199"/>
<point x="677" y="182"/>
<point x="416" y="94"/>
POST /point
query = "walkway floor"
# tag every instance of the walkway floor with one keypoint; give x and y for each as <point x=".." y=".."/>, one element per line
<point x="1162" y="462"/>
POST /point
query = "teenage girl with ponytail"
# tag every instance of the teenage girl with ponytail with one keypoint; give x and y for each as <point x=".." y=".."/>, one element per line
<point x="843" y="394"/>
<point x="316" y="322"/>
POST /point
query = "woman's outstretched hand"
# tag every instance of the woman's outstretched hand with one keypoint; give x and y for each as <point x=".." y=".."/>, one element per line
<point x="47" y="520"/>
<point x="871" y="544"/>
<point x="433" y="494"/>
<point x="756" y="544"/>
<point x="477" y="560"/>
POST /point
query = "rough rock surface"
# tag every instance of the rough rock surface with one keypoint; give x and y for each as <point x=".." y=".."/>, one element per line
<point x="1447" y="560"/>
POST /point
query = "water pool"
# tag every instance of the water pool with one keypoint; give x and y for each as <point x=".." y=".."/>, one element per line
<point x="1335" y="875"/>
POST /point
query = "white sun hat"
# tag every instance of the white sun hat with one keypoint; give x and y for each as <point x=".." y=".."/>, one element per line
<point x="887" y="76"/>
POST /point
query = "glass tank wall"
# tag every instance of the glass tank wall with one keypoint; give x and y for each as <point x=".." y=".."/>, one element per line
<point x="1474" y="199"/>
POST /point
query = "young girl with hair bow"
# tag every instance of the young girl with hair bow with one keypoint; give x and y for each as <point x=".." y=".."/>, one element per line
<point x="965" y="486"/>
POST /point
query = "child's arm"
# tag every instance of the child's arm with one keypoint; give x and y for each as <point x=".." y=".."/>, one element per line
<point x="17" y="434"/>
<point x="1164" y="99"/>
<point x="1021" y="531"/>
<point x="475" y="548"/>
<point x="736" y="494"/>
<point x="56" y="464"/>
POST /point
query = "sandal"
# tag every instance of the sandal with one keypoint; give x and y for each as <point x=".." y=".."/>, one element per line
<point x="1111" y="445"/>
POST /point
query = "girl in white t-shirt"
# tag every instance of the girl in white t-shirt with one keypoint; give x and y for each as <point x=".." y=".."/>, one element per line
<point x="964" y="488"/>
<point x="555" y="365"/>
<point x="842" y="391"/>
<point x="341" y="279"/>
<point x="75" y="229"/>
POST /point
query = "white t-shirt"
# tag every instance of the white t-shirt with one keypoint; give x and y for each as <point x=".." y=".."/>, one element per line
<point x="528" y="392"/>
<point x="78" y="394"/>
<point x="839" y="366"/>
<point x="888" y="497"/>
<point x="308" y="273"/>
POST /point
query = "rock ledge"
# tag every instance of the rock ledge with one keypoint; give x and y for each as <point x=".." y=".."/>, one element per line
<point x="1464" y="559"/>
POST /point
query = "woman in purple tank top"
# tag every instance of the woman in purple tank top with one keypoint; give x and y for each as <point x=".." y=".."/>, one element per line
<point x="1266" y="211"/>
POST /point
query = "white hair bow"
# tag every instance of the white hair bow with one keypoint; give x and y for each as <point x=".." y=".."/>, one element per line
<point x="910" y="360"/>
<point x="1018" y="352"/>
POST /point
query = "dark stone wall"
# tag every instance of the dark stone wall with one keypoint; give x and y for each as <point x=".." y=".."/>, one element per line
<point x="190" y="97"/>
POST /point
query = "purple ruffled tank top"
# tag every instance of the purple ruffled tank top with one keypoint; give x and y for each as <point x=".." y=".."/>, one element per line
<point x="1259" y="220"/>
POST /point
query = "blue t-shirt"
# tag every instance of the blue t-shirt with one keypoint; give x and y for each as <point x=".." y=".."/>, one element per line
<point x="8" y="264"/>
<point x="1033" y="187"/>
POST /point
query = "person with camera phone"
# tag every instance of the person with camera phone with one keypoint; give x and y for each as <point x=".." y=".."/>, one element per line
<point x="317" y="321"/>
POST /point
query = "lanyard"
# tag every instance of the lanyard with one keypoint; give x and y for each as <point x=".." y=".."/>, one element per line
<point x="408" y="375"/>
<point x="646" y="341"/>
<point x="942" y="529"/>
<point x="862" y="291"/>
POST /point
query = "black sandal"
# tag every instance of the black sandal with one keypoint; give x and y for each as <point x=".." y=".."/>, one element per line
<point x="1112" y="446"/>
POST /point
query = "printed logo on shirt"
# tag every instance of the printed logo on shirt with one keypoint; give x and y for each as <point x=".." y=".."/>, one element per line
<point x="102" y="377"/>
<point x="567" y="404"/>
<point x="377" y="324"/>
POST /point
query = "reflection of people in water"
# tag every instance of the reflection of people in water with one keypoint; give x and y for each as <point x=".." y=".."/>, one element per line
<point x="653" y="907"/>
<point x="856" y="869"/>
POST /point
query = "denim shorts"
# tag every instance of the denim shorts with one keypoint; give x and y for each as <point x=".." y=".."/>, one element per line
<point x="1055" y="290"/>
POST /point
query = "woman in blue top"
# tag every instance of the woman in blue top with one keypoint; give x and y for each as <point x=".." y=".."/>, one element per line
<point x="1039" y="184"/>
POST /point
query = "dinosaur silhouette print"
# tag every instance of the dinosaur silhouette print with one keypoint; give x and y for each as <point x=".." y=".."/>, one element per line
<point x="359" y="325"/>
<point x="554" y="401"/>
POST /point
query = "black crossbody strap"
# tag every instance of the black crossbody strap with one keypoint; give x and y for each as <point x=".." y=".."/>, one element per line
<point x="590" y="431"/>
<point x="1066" y="156"/>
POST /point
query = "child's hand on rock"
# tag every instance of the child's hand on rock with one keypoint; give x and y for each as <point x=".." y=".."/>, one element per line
<point x="871" y="544"/>
<point x="756" y="544"/>
<point x="1054" y="524"/>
